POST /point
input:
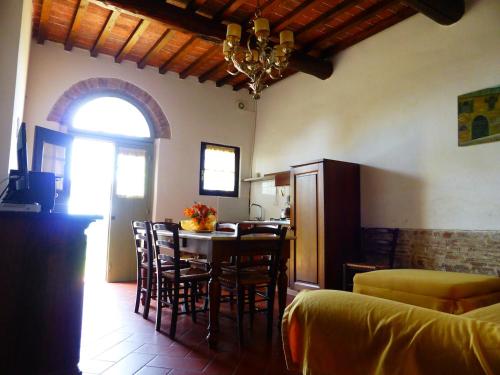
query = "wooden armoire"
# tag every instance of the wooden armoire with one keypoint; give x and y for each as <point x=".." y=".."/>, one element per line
<point x="325" y="212"/>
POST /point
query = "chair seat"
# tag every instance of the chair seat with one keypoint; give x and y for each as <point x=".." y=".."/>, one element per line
<point x="165" y="266"/>
<point x="361" y="266"/>
<point x="188" y="274"/>
<point x="231" y="268"/>
<point x="228" y="279"/>
<point x="200" y="263"/>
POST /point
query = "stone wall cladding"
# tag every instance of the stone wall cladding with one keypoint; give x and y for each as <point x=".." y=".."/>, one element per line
<point x="61" y="111"/>
<point x="449" y="250"/>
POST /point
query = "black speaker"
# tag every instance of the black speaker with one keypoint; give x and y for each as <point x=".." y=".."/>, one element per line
<point x="42" y="189"/>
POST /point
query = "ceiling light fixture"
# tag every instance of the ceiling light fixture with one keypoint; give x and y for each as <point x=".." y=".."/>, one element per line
<point x="259" y="59"/>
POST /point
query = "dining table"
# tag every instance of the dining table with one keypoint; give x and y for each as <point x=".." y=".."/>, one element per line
<point x="219" y="246"/>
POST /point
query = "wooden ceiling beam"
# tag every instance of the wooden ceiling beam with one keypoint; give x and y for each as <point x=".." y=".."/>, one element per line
<point x="292" y="16"/>
<point x="75" y="24"/>
<point x="228" y="8"/>
<point x="104" y="34"/>
<point x="444" y="12"/>
<point x="372" y="30"/>
<point x="331" y="13"/>
<point x="199" y="61"/>
<point x="241" y="85"/>
<point x="221" y="82"/>
<point x="206" y="76"/>
<point x="174" y="17"/>
<point x="194" y="5"/>
<point x="187" y="22"/>
<point x="44" y="19"/>
<point x="164" y="68"/>
<point x="270" y="5"/>
<point x="165" y="38"/>
<point x="358" y="19"/>
<point x="132" y="40"/>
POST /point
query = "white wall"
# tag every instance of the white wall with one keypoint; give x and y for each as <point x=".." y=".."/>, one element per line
<point x="15" y="18"/>
<point x="391" y="105"/>
<point x="195" y="112"/>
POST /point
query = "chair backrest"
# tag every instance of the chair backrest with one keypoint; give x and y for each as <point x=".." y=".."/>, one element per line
<point x="143" y="243"/>
<point x="268" y="255"/>
<point x="379" y="244"/>
<point x="166" y="245"/>
<point x="226" y="227"/>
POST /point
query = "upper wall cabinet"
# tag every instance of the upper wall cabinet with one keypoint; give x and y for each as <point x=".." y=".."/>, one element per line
<point x="325" y="211"/>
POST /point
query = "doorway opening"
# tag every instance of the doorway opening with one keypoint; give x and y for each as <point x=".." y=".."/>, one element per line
<point x="110" y="178"/>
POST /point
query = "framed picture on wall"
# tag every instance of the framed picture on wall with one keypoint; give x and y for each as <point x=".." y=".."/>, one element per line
<point x="479" y="117"/>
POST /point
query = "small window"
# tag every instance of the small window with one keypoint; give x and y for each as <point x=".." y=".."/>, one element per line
<point x="219" y="170"/>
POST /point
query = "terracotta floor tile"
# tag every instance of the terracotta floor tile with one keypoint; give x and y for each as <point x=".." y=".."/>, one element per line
<point x="94" y="366"/>
<point x="146" y="370"/>
<point x="184" y="372"/>
<point x="179" y="363"/>
<point x="119" y="351"/>
<point x="115" y="340"/>
<point x="130" y="364"/>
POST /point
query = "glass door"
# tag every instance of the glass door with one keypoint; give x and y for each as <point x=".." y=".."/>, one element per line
<point x="130" y="201"/>
<point x="92" y="167"/>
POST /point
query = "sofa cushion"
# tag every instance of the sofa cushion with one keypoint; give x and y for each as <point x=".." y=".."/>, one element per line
<point x="451" y="292"/>
<point x="487" y="314"/>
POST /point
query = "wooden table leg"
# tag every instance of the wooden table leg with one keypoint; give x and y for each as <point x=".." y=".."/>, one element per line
<point x="282" y="288"/>
<point x="214" y="300"/>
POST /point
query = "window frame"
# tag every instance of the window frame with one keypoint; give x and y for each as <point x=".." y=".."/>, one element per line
<point x="220" y="193"/>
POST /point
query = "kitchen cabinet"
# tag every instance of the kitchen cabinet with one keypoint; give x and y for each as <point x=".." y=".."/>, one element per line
<point x="325" y="212"/>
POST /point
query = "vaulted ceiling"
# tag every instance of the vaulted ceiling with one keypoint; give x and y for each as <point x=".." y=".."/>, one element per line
<point x="183" y="36"/>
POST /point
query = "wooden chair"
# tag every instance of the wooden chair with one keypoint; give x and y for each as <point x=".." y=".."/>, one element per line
<point x="220" y="227"/>
<point x="146" y="267"/>
<point x="144" y="255"/>
<point x="178" y="284"/>
<point x="250" y="273"/>
<point x="378" y="246"/>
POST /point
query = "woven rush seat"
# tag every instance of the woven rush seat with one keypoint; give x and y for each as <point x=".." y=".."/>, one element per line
<point x="167" y="265"/>
<point x="187" y="274"/>
<point x="246" y="278"/>
<point x="451" y="292"/>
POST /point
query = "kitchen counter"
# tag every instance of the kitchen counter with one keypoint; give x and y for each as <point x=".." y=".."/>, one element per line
<point x="266" y="222"/>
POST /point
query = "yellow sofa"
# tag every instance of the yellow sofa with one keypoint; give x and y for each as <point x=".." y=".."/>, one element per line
<point x="452" y="292"/>
<point x="331" y="332"/>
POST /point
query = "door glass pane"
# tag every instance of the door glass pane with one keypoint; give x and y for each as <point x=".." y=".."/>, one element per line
<point x="54" y="160"/>
<point x="130" y="173"/>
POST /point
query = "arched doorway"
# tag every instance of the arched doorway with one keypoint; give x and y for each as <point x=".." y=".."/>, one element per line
<point x="480" y="127"/>
<point x="111" y="173"/>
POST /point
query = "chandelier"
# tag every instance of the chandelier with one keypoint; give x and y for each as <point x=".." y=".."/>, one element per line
<point x="259" y="59"/>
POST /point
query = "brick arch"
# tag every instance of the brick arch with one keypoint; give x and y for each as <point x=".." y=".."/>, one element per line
<point x="63" y="110"/>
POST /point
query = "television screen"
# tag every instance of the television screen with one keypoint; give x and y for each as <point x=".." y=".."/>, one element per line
<point x="22" y="158"/>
